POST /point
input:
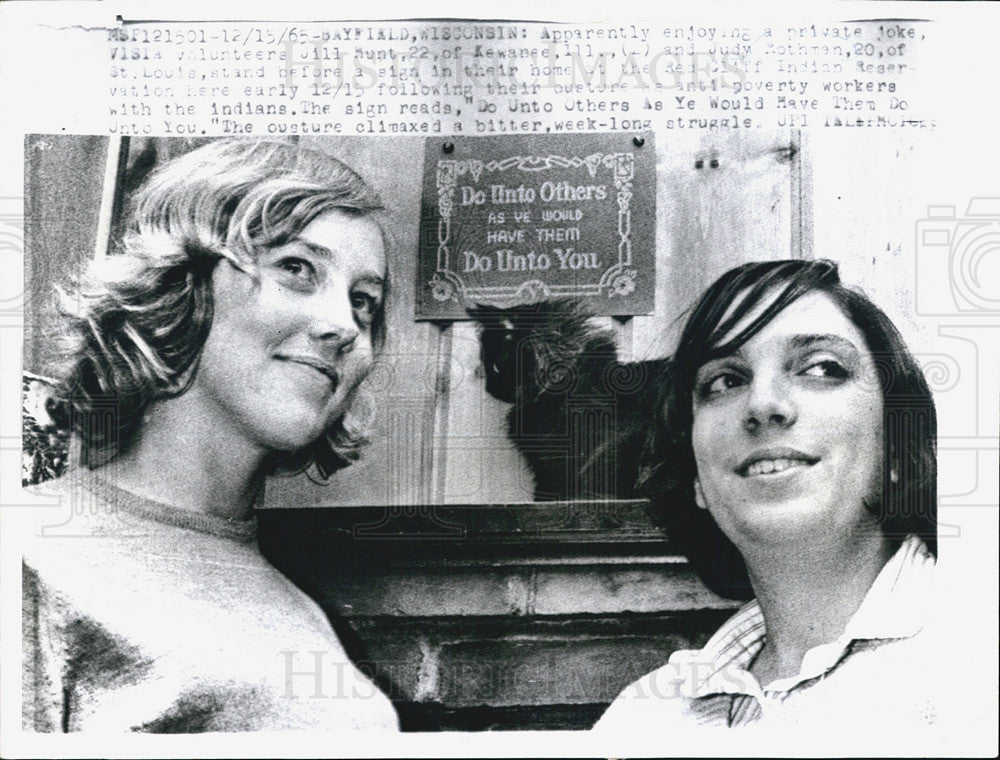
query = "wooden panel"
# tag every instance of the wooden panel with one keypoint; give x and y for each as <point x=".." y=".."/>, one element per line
<point x="477" y="461"/>
<point x="722" y="199"/>
<point x="869" y="226"/>
<point x="63" y="182"/>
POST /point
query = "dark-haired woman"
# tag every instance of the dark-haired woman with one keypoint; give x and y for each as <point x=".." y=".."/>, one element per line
<point x="227" y="342"/>
<point x="799" y="431"/>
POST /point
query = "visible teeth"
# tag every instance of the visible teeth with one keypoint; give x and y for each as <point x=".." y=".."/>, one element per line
<point x="767" y="466"/>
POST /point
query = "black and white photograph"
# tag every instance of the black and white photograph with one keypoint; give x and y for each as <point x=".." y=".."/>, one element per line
<point x="463" y="387"/>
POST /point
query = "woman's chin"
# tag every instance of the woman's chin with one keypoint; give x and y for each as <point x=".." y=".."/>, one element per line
<point x="782" y="520"/>
<point x="292" y="433"/>
<point x="803" y="531"/>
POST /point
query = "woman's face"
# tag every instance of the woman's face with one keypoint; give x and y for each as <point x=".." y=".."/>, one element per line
<point x="788" y="430"/>
<point x="287" y="351"/>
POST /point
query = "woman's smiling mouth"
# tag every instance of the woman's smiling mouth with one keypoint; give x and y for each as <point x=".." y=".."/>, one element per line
<point x="323" y="367"/>
<point x="773" y="461"/>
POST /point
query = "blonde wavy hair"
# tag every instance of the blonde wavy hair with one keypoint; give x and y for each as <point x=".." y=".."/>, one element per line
<point x="136" y="323"/>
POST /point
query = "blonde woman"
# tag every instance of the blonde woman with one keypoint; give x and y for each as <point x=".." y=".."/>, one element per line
<point x="226" y="343"/>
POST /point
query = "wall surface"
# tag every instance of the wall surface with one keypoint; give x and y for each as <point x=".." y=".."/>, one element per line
<point x="515" y="616"/>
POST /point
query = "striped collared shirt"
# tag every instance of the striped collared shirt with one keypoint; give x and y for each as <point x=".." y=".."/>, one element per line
<point x="873" y="667"/>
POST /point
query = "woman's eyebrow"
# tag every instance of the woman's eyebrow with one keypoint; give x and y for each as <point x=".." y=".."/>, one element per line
<point x="372" y="279"/>
<point x="795" y="342"/>
<point x="808" y="340"/>
<point x="319" y="250"/>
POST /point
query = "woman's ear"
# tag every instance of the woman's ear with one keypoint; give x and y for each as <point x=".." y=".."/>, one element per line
<point x="699" y="495"/>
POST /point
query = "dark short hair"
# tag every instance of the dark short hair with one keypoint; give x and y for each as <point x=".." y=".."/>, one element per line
<point x="909" y="500"/>
<point x="136" y="326"/>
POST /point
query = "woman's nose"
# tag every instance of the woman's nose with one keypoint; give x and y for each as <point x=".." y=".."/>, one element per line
<point x="333" y="320"/>
<point x="769" y="404"/>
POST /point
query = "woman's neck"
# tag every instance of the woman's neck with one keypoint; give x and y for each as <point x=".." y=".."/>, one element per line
<point x="807" y="597"/>
<point x="177" y="461"/>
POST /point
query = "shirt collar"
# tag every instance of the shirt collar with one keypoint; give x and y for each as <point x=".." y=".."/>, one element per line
<point x="896" y="605"/>
<point x="893" y="608"/>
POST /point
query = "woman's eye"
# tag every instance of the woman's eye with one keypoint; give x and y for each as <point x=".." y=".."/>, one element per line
<point x="364" y="303"/>
<point x="297" y="268"/>
<point x="718" y="383"/>
<point x="826" y="368"/>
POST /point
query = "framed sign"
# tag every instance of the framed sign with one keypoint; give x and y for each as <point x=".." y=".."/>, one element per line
<point x="511" y="220"/>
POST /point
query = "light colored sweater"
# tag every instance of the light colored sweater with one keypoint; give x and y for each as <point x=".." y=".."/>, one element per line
<point x="142" y="617"/>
